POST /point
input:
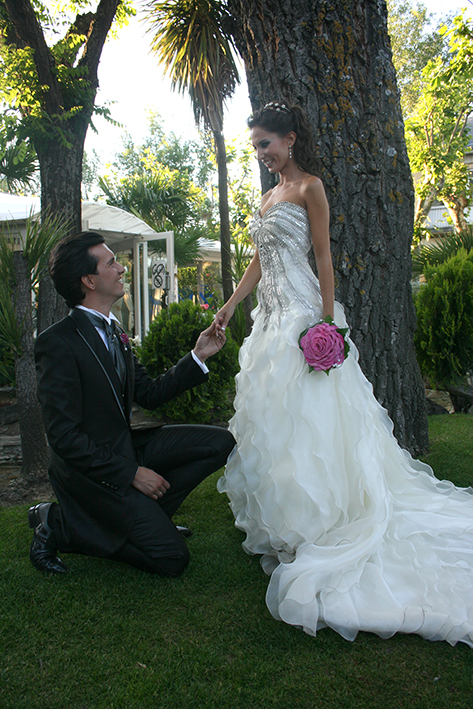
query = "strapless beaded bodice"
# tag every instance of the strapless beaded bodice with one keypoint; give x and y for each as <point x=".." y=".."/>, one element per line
<point x="282" y="237"/>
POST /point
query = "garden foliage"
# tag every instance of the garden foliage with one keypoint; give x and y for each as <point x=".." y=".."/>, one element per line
<point x="444" y="336"/>
<point x="172" y="335"/>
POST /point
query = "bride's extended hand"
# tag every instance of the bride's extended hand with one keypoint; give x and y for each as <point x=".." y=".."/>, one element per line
<point x="222" y="317"/>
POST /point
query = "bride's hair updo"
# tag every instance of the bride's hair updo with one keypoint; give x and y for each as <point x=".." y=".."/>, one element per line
<point x="281" y="118"/>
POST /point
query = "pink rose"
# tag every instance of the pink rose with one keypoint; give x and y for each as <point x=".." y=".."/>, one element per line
<point x="124" y="338"/>
<point x="324" y="346"/>
<point x="205" y="306"/>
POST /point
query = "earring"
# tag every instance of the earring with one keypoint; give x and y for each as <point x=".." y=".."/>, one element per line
<point x="290" y="152"/>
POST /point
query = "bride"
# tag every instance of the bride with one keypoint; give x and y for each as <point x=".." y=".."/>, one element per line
<point x="355" y="534"/>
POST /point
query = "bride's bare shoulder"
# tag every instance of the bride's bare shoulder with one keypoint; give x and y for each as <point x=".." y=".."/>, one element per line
<point x="312" y="188"/>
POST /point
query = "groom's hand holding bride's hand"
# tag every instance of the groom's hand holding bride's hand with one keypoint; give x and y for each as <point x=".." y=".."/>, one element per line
<point x="210" y="341"/>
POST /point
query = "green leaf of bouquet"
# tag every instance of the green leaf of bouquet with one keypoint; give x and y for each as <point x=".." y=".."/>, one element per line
<point x="302" y="335"/>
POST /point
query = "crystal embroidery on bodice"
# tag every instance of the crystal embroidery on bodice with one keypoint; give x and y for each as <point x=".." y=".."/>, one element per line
<point x="282" y="237"/>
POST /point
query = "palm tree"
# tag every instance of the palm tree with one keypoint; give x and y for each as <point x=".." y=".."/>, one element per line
<point x="196" y="51"/>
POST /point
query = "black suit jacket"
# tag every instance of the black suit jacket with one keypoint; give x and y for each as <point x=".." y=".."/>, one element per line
<point x="87" y="421"/>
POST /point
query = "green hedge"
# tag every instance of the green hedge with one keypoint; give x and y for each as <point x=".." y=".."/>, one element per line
<point x="171" y="335"/>
<point x="444" y="305"/>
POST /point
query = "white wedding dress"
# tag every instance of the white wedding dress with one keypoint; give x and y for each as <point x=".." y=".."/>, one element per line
<point x="356" y="534"/>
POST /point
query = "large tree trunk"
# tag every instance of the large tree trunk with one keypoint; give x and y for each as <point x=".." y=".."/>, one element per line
<point x="225" y="250"/>
<point x="334" y="59"/>
<point x="34" y="447"/>
<point x="61" y="177"/>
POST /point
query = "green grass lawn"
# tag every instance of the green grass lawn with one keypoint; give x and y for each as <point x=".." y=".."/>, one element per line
<point x="108" y="636"/>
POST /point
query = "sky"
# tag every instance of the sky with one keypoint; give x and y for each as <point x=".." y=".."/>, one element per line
<point x="132" y="79"/>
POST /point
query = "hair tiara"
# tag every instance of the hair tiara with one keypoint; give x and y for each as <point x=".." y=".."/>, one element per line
<point x="275" y="106"/>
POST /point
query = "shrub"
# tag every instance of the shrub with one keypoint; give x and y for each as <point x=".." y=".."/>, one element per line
<point x="171" y="335"/>
<point x="444" y="305"/>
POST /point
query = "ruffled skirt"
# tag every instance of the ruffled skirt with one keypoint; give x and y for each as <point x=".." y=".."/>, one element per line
<point x="355" y="533"/>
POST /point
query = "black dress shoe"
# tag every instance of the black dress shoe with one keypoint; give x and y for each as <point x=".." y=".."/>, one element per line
<point x="185" y="531"/>
<point x="43" y="548"/>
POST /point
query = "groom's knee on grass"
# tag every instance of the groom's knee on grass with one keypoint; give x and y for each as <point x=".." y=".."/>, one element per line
<point x="168" y="566"/>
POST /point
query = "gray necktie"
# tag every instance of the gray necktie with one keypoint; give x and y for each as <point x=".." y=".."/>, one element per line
<point x="113" y="344"/>
<point x="115" y="350"/>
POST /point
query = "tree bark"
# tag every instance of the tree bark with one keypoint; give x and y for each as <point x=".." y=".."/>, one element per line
<point x="61" y="176"/>
<point x="225" y="249"/>
<point x="34" y="446"/>
<point x="334" y="59"/>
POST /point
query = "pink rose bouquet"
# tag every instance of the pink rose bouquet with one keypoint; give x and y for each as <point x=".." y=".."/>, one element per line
<point x="324" y="345"/>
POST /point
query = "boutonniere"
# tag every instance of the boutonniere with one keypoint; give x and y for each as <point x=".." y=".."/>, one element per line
<point x="124" y="339"/>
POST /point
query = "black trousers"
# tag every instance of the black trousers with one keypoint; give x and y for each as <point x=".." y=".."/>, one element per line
<point x="184" y="455"/>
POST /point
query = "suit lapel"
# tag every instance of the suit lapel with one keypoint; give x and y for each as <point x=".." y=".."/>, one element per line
<point x="92" y="339"/>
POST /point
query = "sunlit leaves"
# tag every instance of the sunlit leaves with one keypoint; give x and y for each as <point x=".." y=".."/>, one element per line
<point x="437" y="133"/>
<point x="18" y="162"/>
<point x="414" y="42"/>
<point x="67" y="27"/>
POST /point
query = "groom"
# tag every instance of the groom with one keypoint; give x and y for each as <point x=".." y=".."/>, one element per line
<point x="117" y="489"/>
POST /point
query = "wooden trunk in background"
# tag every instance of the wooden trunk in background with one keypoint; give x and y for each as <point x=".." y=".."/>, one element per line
<point x="34" y="446"/>
<point x="333" y="58"/>
<point x="61" y="178"/>
<point x="224" y="214"/>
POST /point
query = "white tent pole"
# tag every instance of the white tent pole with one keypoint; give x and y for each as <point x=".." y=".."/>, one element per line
<point x="170" y="266"/>
<point x="136" y="288"/>
<point x="145" y="288"/>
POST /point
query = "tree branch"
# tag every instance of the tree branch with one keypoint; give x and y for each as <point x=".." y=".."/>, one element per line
<point x="28" y="29"/>
<point x="100" y="26"/>
<point x="94" y="26"/>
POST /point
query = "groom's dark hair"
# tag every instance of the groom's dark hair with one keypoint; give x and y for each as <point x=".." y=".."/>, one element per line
<point x="69" y="261"/>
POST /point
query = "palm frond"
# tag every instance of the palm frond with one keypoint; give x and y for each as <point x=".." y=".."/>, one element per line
<point x="41" y="237"/>
<point x="18" y="166"/>
<point x="37" y="243"/>
<point x="196" y="52"/>
<point x="10" y="332"/>
<point x="187" y="248"/>
<point x="162" y="207"/>
<point x="434" y="254"/>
